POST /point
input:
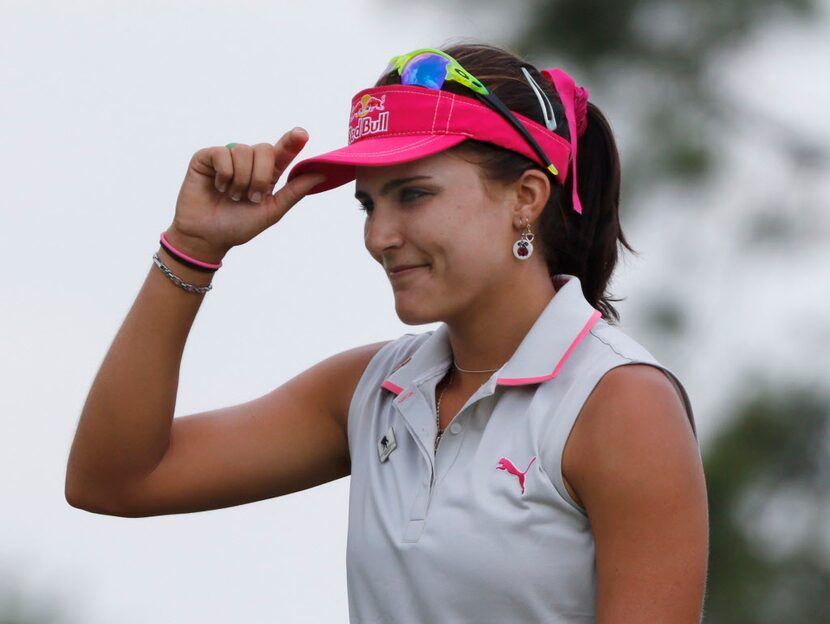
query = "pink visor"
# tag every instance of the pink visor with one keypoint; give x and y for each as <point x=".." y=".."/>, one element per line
<point x="394" y="124"/>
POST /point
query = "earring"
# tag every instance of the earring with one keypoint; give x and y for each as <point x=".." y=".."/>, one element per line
<point x="523" y="248"/>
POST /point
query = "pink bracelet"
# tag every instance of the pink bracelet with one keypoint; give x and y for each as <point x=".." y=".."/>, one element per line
<point x="193" y="262"/>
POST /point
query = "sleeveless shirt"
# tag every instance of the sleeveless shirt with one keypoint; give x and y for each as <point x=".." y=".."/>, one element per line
<point x="483" y="530"/>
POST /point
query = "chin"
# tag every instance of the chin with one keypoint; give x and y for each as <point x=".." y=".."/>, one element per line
<point x="414" y="313"/>
<point x="409" y="317"/>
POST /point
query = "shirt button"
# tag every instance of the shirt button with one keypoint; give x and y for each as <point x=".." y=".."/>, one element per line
<point x="455" y="428"/>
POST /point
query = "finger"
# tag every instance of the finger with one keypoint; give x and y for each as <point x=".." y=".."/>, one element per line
<point x="208" y="160"/>
<point x="287" y="148"/>
<point x="290" y="194"/>
<point x="222" y="164"/>
<point x="263" y="172"/>
<point x="243" y="162"/>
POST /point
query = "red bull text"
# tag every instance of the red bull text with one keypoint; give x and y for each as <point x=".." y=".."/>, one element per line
<point x="359" y="122"/>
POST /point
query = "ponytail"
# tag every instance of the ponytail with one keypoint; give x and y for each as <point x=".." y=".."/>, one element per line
<point x="585" y="245"/>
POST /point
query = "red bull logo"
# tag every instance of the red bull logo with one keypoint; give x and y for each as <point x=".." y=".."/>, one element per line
<point x="360" y="124"/>
<point x="366" y="105"/>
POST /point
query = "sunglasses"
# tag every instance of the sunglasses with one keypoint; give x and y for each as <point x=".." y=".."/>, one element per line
<point x="431" y="68"/>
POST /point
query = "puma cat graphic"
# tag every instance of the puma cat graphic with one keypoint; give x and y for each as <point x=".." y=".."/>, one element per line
<point x="506" y="464"/>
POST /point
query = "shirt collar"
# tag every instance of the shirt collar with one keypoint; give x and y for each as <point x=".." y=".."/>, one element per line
<point x="561" y="326"/>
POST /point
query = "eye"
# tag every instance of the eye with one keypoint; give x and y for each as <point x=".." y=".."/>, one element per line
<point x="406" y="195"/>
<point x="412" y="194"/>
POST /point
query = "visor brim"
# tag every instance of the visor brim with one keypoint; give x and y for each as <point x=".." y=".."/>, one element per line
<point x="339" y="165"/>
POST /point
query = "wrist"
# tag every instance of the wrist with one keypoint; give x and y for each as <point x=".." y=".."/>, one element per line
<point x="182" y="271"/>
<point x="196" y="248"/>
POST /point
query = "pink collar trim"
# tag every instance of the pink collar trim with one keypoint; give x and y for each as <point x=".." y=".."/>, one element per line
<point x="541" y="356"/>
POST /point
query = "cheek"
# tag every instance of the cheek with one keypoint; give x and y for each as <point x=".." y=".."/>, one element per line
<point x="465" y="240"/>
<point x="486" y="244"/>
<point x="474" y="257"/>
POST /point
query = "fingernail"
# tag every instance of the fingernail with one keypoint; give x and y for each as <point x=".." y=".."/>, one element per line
<point x="223" y="188"/>
<point x="236" y="196"/>
<point x="256" y="197"/>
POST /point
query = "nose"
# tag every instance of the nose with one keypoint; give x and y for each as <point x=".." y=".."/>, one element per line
<point x="381" y="232"/>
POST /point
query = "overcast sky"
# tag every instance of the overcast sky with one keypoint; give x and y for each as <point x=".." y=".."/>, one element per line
<point x="103" y="105"/>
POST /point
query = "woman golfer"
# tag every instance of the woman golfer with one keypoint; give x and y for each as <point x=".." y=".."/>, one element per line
<point x="525" y="462"/>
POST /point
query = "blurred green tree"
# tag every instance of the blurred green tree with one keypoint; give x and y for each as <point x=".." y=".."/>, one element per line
<point x="768" y="477"/>
<point x="668" y="49"/>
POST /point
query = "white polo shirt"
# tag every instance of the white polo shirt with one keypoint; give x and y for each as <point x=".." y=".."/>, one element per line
<point x="484" y="530"/>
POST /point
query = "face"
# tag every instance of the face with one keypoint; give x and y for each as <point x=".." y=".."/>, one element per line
<point x="458" y="234"/>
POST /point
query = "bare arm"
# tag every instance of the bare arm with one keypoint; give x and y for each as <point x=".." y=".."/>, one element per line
<point x="293" y="438"/>
<point x="637" y="469"/>
<point x="125" y="427"/>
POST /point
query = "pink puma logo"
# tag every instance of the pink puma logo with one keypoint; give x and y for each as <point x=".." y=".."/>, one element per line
<point x="506" y="464"/>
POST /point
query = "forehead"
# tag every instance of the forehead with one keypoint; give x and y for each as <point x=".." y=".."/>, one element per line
<point x="440" y="164"/>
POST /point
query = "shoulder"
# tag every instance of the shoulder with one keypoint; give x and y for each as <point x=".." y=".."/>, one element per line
<point x="640" y="381"/>
<point x="611" y="339"/>
<point x="385" y="356"/>
<point x="636" y="406"/>
<point x="347" y="369"/>
<point x="341" y="373"/>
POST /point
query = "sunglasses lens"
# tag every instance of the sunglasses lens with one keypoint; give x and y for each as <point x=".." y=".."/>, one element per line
<point x="425" y="70"/>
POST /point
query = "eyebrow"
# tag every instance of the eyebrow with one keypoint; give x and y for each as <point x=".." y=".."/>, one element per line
<point x="391" y="186"/>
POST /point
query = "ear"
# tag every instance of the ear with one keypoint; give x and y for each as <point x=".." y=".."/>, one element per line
<point x="532" y="191"/>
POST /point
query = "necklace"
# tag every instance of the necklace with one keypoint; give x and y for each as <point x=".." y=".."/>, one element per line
<point x="464" y="370"/>
<point x="438" y="412"/>
<point x="440" y="396"/>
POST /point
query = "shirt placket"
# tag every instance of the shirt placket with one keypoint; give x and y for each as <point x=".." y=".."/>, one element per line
<point x="417" y="410"/>
<point x="415" y="413"/>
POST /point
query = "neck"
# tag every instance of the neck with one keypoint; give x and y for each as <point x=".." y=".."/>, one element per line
<point x="489" y="334"/>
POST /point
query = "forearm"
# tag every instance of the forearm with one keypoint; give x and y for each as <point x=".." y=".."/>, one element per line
<point x="124" y="428"/>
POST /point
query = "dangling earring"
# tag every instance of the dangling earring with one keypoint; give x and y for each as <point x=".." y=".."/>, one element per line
<point x="523" y="248"/>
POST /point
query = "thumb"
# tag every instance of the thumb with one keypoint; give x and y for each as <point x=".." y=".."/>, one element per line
<point x="291" y="193"/>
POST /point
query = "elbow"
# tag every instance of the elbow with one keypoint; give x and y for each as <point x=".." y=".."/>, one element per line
<point x="72" y="493"/>
<point x="80" y="498"/>
<point x="76" y="497"/>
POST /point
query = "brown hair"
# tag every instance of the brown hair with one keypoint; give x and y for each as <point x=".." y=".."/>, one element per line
<point x="584" y="245"/>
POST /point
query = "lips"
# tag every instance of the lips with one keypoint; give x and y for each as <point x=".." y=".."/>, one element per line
<point x="404" y="267"/>
<point x="405" y="272"/>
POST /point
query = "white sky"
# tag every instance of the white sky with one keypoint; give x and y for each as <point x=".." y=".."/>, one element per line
<point x="103" y="105"/>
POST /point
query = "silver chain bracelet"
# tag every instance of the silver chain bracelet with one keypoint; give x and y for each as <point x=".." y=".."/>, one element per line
<point x="177" y="280"/>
